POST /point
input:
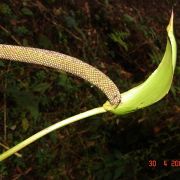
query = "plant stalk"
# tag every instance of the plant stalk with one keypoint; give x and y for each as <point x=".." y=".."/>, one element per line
<point x="49" y="129"/>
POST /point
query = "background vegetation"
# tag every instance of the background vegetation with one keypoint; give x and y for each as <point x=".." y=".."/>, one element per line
<point x="124" y="39"/>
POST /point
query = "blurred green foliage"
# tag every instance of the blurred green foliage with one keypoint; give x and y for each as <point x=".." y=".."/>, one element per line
<point x="125" y="40"/>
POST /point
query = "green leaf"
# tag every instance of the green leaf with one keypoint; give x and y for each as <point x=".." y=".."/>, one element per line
<point x="71" y="22"/>
<point x="25" y="101"/>
<point x="22" y="30"/>
<point x="119" y="37"/>
<point x="25" y="124"/>
<point x="5" y="9"/>
<point x="44" y="42"/>
<point x="1" y="64"/>
<point x="156" y="86"/>
<point x="42" y="87"/>
<point x="27" y="12"/>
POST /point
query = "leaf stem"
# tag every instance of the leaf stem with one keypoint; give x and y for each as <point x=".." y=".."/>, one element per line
<point x="49" y="129"/>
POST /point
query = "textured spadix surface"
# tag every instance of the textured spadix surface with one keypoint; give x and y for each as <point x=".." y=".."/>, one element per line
<point x="65" y="63"/>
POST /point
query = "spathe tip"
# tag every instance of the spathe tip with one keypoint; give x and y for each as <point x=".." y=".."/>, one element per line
<point x="170" y="25"/>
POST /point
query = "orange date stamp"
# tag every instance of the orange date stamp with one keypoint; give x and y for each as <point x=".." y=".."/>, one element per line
<point x="165" y="163"/>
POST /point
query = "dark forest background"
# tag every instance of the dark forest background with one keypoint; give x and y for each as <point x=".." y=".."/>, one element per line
<point x="125" y="40"/>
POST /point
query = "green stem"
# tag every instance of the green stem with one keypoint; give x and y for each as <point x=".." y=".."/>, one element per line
<point x="51" y="128"/>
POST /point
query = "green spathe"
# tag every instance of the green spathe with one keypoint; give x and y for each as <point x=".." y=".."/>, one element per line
<point x="156" y="86"/>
